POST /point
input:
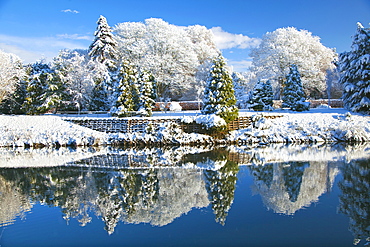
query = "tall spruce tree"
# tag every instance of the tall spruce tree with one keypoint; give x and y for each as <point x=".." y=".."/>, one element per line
<point x="219" y="97"/>
<point x="261" y="98"/>
<point x="355" y="72"/>
<point x="293" y="94"/>
<point x="104" y="47"/>
<point x="104" y="51"/>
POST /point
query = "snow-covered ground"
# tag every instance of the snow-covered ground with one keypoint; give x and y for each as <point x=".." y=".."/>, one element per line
<point x="316" y="125"/>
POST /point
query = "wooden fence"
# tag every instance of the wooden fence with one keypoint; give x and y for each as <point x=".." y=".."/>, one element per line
<point x="117" y="125"/>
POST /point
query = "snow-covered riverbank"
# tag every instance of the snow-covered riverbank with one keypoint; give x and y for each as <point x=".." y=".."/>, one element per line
<point x="317" y="125"/>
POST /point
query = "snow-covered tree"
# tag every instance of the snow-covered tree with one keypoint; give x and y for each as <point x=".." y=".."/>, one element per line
<point x="103" y="95"/>
<point x="261" y="98"/>
<point x="73" y="69"/>
<point x="285" y="46"/>
<point x="293" y="94"/>
<point x="104" y="47"/>
<point x="44" y="89"/>
<point x="11" y="72"/>
<point x="128" y="90"/>
<point x="176" y="56"/>
<point x="13" y="103"/>
<point x="219" y="97"/>
<point x="104" y="52"/>
<point x="355" y="72"/>
<point x="146" y="97"/>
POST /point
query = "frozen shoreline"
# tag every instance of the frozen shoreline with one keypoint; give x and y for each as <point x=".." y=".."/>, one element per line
<point x="314" y="126"/>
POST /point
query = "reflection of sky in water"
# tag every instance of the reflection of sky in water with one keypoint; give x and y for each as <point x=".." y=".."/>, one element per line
<point x="156" y="186"/>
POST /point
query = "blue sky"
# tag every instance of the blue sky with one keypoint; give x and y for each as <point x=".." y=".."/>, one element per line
<point x="40" y="28"/>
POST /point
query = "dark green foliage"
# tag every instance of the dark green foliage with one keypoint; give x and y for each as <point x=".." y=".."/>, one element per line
<point x="261" y="98"/>
<point x="219" y="97"/>
<point x="13" y="103"/>
<point x="99" y="98"/>
<point x="44" y="90"/>
<point x="355" y="72"/>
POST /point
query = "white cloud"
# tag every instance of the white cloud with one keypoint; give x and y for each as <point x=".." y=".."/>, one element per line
<point x="70" y="11"/>
<point x="31" y="49"/>
<point x="225" y="40"/>
<point x="74" y="36"/>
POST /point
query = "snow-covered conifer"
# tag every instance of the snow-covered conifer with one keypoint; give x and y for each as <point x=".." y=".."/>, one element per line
<point x="128" y="90"/>
<point x="355" y="72"/>
<point x="219" y="97"/>
<point x="146" y="96"/>
<point x="44" y="89"/>
<point x="104" y="52"/>
<point x="261" y="98"/>
<point x="293" y="94"/>
<point x="104" y="47"/>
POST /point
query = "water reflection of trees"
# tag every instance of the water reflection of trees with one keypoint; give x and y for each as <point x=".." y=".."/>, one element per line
<point x="355" y="198"/>
<point x="157" y="186"/>
<point x="137" y="195"/>
<point x="289" y="186"/>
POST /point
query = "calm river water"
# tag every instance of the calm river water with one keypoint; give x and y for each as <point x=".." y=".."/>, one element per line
<point x="188" y="196"/>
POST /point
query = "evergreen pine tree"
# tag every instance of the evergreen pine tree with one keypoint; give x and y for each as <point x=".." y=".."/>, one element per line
<point x="146" y="100"/>
<point x="261" y="98"/>
<point x="219" y="97"/>
<point x="355" y="72"/>
<point x="104" y="47"/>
<point x="293" y="94"/>
<point x="103" y="50"/>
<point x="128" y="90"/>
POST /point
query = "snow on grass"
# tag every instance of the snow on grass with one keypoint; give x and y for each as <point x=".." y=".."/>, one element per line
<point x="317" y="125"/>
<point x="45" y="131"/>
<point x="39" y="131"/>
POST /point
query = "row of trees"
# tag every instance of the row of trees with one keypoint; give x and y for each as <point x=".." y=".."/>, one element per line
<point x="127" y="69"/>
